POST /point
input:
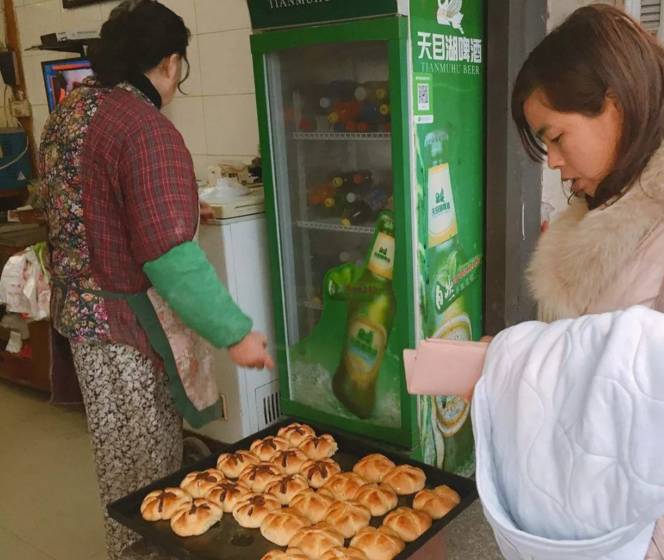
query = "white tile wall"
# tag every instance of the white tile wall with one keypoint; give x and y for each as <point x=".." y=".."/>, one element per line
<point x="221" y="15"/>
<point x="217" y="116"/>
<point x="187" y="115"/>
<point x="226" y="57"/>
<point x="231" y="127"/>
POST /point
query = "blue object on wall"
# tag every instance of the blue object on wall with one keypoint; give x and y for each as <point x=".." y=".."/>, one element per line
<point x="15" y="167"/>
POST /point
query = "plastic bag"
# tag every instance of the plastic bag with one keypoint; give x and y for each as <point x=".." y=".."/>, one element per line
<point x="24" y="284"/>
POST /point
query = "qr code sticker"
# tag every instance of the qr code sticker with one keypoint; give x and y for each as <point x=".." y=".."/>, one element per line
<point x="423" y="97"/>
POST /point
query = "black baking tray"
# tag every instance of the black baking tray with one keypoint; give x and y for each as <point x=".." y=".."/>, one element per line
<point x="228" y="541"/>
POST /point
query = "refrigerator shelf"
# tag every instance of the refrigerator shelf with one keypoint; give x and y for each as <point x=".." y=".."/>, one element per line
<point x="342" y="136"/>
<point x="334" y="226"/>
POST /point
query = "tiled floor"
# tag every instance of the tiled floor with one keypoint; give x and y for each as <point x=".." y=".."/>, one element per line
<point x="49" y="508"/>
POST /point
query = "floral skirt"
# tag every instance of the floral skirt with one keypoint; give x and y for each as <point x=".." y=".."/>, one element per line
<point x="135" y="429"/>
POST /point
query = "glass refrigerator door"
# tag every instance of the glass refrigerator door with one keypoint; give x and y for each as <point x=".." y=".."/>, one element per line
<point x="330" y="127"/>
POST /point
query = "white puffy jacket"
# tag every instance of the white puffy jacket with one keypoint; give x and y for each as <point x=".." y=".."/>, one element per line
<point x="569" y="427"/>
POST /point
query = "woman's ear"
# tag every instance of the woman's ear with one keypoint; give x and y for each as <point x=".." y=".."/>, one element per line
<point x="611" y="101"/>
<point x="171" y="66"/>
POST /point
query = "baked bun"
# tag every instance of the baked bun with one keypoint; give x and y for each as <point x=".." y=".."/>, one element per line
<point x="232" y="464"/>
<point x="196" y="518"/>
<point x="198" y="483"/>
<point x="344" y="486"/>
<point x="280" y="526"/>
<point x="374" y="467"/>
<point x="319" y="472"/>
<point x="437" y="502"/>
<point x="377" y="498"/>
<point x="319" y="447"/>
<point x="162" y="504"/>
<point x="317" y="539"/>
<point x="378" y="544"/>
<point x="287" y="487"/>
<point x="268" y="447"/>
<point x="289" y="461"/>
<point x="311" y="504"/>
<point x="408" y="523"/>
<point x="342" y="553"/>
<point x="257" y="477"/>
<point x="405" y="479"/>
<point x="295" y="433"/>
<point x="348" y="517"/>
<point x="252" y="509"/>
<point x="226" y="494"/>
<point x="289" y="554"/>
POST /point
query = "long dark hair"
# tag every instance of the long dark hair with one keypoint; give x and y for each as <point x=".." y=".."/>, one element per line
<point x="136" y="37"/>
<point x="598" y="51"/>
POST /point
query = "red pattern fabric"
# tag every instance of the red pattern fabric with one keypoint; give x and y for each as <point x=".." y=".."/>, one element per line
<point x="121" y="192"/>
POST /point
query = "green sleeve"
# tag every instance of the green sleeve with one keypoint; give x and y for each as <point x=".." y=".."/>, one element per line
<point x="186" y="280"/>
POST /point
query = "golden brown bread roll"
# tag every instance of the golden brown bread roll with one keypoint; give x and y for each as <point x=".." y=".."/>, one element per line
<point x="343" y="553"/>
<point x="226" y="494"/>
<point x="258" y="476"/>
<point x="232" y="464"/>
<point x="408" y="523"/>
<point x="405" y="479"/>
<point x="288" y="554"/>
<point x="438" y="502"/>
<point x="289" y="461"/>
<point x="195" y="519"/>
<point x="348" y="517"/>
<point x="344" y="486"/>
<point x="198" y="483"/>
<point x="287" y="487"/>
<point x="311" y="504"/>
<point x="162" y="504"/>
<point x="374" y="467"/>
<point x="319" y="472"/>
<point x="280" y="526"/>
<point x="295" y="433"/>
<point x="377" y="498"/>
<point x="252" y="509"/>
<point x="378" y="544"/>
<point x="268" y="447"/>
<point x="316" y="540"/>
<point x="318" y="447"/>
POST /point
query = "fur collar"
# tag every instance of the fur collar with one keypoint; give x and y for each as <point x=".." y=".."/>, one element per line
<point x="583" y="251"/>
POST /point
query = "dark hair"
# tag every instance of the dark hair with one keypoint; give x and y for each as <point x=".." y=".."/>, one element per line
<point x="598" y="51"/>
<point x="136" y="37"/>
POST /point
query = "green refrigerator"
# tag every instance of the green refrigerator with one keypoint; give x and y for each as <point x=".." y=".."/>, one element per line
<point x="371" y="121"/>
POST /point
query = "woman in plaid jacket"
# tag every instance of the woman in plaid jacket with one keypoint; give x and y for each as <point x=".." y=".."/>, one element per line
<point x="132" y="291"/>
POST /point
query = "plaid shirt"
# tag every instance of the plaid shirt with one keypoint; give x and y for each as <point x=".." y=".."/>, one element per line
<point x="121" y="191"/>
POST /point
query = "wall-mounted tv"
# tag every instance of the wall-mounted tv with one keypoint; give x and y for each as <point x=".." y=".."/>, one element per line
<point x="61" y="77"/>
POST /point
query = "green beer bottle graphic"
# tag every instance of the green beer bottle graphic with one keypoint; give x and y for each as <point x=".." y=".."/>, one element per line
<point x="446" y="315"/>
<point x="370" y="313"/>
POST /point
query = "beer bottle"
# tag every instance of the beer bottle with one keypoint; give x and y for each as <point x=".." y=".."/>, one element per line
<point x="371" y="306"/>
<point x="357" y="212"/>
<point x="446" y="307"/>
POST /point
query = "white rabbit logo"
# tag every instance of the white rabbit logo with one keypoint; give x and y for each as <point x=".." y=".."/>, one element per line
<point x="449" y="13"/>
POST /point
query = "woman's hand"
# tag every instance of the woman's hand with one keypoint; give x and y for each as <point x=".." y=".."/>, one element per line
<point x="206" y="212"/>
<point x="252" y="352"/>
